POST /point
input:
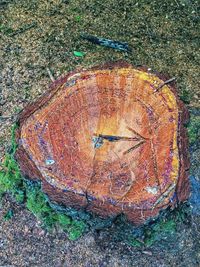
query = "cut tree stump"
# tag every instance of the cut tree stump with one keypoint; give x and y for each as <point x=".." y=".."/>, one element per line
<point x="108" y="140"/>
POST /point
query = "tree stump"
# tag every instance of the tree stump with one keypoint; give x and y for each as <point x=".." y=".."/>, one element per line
<point x="108" y="140"/>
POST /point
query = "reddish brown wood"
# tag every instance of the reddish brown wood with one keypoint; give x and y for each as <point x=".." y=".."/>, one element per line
<point x="110" y="140"/>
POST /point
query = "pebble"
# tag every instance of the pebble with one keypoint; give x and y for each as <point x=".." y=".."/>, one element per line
<point x="147" y="252"/>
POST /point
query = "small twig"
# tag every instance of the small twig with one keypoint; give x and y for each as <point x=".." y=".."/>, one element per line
<point x="23" y="29"/>
<point x="50" y="74"/>
<point x="164" y="195"/>
<point x="121" y="46"/>
<point x="164" y="83"/>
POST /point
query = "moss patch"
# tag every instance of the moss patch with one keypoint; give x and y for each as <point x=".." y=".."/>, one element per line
<point x="9" y="214"/>
<point x="161" y="231"/>
<point x="10" y="177"/>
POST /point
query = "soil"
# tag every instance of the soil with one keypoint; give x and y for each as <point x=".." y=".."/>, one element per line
<point x="38" y="36"/>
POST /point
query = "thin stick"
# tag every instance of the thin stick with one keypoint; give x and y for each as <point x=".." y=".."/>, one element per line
<point x="50" y="75"/>
<point x="23" y="29"/>
<point x="164" y="83"/>
<point x="163" y="196"/>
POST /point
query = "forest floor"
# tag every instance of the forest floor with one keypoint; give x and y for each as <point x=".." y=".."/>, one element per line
<point x="37" y="36"/>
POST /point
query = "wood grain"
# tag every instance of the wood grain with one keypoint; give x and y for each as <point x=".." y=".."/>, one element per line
<point x="107" y="141"/>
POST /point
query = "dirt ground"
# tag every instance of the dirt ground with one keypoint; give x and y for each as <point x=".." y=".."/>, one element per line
<point x="37" y="36"/>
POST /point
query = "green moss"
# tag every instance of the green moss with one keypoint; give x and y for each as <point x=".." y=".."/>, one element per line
<point x="37" y="202"/>
<point x="9" y="214"/>
<point x="10" y="176"/>
<point x="135" y="243"/>
<point x="186" y="96"/>
<point x="161" y="231"/>
<point x="158" y="231"/>
<point x="76" y="229"/>
<point x="194" y="128"/>
<point x="64" y="220"/>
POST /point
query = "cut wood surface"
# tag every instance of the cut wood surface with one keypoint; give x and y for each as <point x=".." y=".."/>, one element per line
<point x="109" y="140"/>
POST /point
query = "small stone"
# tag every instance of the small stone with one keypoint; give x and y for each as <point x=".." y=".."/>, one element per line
<point x="26" y="229"/>
<point x="147" y="252"/>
